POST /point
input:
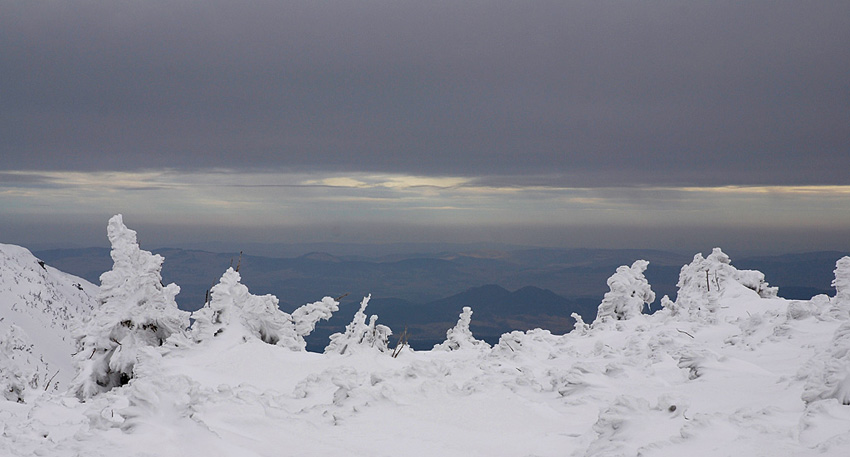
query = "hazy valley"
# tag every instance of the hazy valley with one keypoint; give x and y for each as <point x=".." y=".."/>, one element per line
<point x="510" y="289"/>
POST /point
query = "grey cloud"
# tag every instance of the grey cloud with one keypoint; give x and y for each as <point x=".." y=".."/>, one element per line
<point x="25" y="180"/>
<point x="584" y="93"/>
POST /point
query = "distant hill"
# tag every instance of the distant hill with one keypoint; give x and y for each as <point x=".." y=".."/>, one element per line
<point x="418" y="278"/>
<point x="495" y="311"/>
<point x="426" y="290"/>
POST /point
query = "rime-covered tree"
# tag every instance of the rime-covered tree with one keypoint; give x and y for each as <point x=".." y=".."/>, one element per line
<point x="18" y="369"/>
<point x="629" y="292"/>
<point x="829" y="371"/>
<point x="134" y="310"/>
<point x="359" y="335"/>
<point x="460" y="336"/>
<point x="842" y="281"/>
<point x="234" y="312"/>
<point x="703" y="281"/>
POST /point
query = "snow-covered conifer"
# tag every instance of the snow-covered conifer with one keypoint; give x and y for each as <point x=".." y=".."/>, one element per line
<point x="359" y="335"/>
<point x="842" y="282"/>
<point x="306" y="317"/>
<point x="630" y="291"/>
<point x="702" y="282"/>
<point x="135" y="310"/>
<point x="828" y="374"/>
<point x="234" y="312"/>
<point x="580" y="325"/>
<point x="699" y="282"/>
<point x="17" y="372"/>
<point x="460" y="337"/>
<point x="669" y="305"/>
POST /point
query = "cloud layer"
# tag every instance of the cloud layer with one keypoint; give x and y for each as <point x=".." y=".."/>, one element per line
<point x="574" y="94"/>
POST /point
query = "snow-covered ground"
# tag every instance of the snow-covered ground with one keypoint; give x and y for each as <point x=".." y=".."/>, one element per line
<point x="39" y="306"/>
<point x="728" y="368"/>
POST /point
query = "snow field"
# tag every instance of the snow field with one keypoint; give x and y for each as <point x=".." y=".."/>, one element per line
<point x="729" y="368"/>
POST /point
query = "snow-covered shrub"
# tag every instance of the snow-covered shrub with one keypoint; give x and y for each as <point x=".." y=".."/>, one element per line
<point x="669" y="305"/>
<point x="842" y="285"/>
<point x="359" y="335"/>
<point x="234" y="312"/>
<point x="798" y="310"/>
<point x="630" y="291"/>
<point x="135" y="310"/>
<point x="699" y="281"/>
<point x="829" y="372"/>
<point x="754" y="279"/>
<point x="580" y="326"/>
<point x="16" y="371"/>
<point x="702" y="282"/>
<point x="460" y="337"/>
<point x="539" y="342"/>
<point x="306" y="317"/>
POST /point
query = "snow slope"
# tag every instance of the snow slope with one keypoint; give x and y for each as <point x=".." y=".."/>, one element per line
<point x="727" y="369"/>
<point x="43" y="304"/>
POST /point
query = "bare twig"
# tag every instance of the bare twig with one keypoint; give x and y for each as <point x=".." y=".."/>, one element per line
<point x="50" y="380"/>
<point x="402" y="341"/>
<point x="686" y="333"/>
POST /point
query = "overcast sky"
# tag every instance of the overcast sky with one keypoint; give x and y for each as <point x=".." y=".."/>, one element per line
<point x="639" y="123"/>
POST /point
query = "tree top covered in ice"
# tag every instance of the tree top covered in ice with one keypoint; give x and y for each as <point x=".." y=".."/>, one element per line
<point x="135" y="310"/>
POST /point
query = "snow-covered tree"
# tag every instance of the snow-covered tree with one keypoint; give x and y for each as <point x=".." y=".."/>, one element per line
<point x="630" y="291"/>
<point x="134" y="310"/>
<point x="460" y="337"/>
<point x="234" y="312"/>
<point x="699" y="282"/>
<point x="829" y="372"/>
<point x="360" y="335"/>
<point x="842" y="281"/>
<point x="702" y="282"/>
<point x="580" y="325"/>
<point x="17" y="372"/>
<point x="306" y="317"/>
<point x="669" y="305"/>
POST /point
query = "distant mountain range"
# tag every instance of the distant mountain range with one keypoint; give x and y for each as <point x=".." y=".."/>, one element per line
<point x="425" y="291"/>
<point x="495" y="311"/>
